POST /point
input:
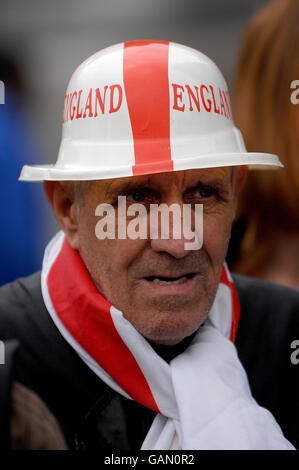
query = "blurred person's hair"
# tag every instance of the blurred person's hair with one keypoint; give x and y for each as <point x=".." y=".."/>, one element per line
<point x="268" y="63"/>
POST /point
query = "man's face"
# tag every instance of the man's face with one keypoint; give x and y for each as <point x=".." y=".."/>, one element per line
<point x="132" y="273"/>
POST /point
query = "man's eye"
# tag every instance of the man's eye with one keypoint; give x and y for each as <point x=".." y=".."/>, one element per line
<point x="204" y="192"/>
<point x="137" y="196"/>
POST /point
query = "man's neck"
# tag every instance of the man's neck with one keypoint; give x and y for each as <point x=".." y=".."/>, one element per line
<point x="168" y="352"/>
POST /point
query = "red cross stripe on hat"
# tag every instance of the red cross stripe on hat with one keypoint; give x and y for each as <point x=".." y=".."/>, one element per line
<point x="147" y="92"/>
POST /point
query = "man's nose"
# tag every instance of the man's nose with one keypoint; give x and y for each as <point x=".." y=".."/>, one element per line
<point x="174" y="247"/>
<point x="169" y="236"/>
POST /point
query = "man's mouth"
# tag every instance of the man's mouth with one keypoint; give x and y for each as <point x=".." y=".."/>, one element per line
<point x="170" y="281"/>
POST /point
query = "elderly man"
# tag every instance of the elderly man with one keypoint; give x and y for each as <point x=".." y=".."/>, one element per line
<point x="126" y="337"/>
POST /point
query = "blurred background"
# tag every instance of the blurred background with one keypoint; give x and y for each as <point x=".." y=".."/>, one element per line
<point x="41" y="42"/>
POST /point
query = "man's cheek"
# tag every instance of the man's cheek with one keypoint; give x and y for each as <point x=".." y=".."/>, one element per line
<point x="216" y="233"/>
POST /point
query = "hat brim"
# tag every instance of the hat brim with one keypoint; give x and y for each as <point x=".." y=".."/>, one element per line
<point x="253" y="160"/>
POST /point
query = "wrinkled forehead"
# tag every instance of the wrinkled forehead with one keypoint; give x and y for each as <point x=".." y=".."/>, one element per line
<point x="163" y="181"/>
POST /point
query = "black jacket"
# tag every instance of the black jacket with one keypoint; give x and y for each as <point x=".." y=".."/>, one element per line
<point x="93" y="416"/>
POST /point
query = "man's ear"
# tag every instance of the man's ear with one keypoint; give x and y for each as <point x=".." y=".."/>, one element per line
<point x="240" y="177"/>
<point x="61" y="196"/>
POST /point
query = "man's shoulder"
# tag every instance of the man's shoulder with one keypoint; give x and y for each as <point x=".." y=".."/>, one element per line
<point x="269" y="315"/>
<point x="17" y="300"/>
<point x="29" y="284"/>
<point x="24" y="317"/>
<point x="45" y="362"/>
<point x="269" y="324"/>
<point x="262" y="301"/>
<point x="255" y="289"/>
<point x="23" y="284"/>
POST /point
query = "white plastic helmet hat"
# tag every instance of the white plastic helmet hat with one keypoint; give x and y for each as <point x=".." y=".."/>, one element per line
<point x="146" y="107"/>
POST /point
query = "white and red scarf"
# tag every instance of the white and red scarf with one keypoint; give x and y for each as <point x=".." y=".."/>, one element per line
<point x="202" y="398"/>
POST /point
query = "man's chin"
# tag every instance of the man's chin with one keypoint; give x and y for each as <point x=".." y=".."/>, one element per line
<point x="169" y="327"/>
<point x="169" y="339"/>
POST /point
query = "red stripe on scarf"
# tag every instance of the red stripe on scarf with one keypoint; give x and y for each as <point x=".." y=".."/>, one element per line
<point x="147" y="93"/>
<point x="86" y="315"/>
<point x="235" y="304"/>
